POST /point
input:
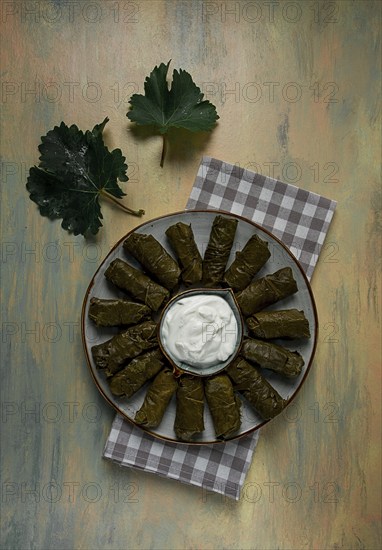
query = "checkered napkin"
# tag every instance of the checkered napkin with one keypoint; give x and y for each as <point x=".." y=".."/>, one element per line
<point x="301" y="220"/>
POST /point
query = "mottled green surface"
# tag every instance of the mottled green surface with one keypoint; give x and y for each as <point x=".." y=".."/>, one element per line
<point x="297" y="91"/>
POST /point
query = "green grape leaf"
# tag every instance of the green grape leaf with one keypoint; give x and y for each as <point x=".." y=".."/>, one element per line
<point x="75" y="169"/>
<point x="181" y="106"/>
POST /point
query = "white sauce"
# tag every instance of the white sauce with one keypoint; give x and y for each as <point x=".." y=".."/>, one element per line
<point x="200" y="330"/>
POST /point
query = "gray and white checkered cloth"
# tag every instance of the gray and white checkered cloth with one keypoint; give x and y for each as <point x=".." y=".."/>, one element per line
<point x="297" y="217"/>
<point x="301" y="220"/>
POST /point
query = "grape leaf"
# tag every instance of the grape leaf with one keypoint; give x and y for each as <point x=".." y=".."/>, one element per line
<point x="75" y="169"/>
<point x="181" y="106"/>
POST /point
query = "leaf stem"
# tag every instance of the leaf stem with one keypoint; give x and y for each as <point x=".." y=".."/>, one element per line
<point x="125" y="208"/>
<point x="164" y="150"/>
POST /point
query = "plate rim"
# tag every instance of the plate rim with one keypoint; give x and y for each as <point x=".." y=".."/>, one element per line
<point x="216" y="212"/>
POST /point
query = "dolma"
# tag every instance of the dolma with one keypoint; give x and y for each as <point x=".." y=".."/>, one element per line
<point x="137" y="284"/>
<point x="182" y="241"/>
<point x="273" y="357"/>
<point x="157" y="398"/>
<point x="256" y="389"/>
<point x="110" y="313"/>
<point x="247" y="263"/>
<point x="112" y="354"/>
<point x="132" y="377"/>
<point x="287" y="323"/>
<point x="154" y="258"/>
<point x="189" y="407"/>
<point x="268" y="290"/>
<point x="218" y="250"/>
<point x="223" y="404"/>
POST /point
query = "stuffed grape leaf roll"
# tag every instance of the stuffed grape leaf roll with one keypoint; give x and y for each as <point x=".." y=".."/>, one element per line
<point x="247" y="263"/>
<point x="183" y="242"/>
<point x="141" y="369"/>
<point x="137" y="284"/>
<point x="189" y="407"/>
<point x="154" y="258"/>
<point x="157" y="399"/>
<point x="112" y="354"/>
<point x="110" y="313"/>
<point x="287" y="323"/>
<point x="256" y="389"/>
<point x="268" y="290"/>
<point x="223" y="404"/>
<point x="273" y="357"/>
<point x="218" y="250"/>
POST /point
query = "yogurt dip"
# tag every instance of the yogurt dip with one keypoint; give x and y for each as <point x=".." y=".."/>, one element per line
<point x="200" y="330"/>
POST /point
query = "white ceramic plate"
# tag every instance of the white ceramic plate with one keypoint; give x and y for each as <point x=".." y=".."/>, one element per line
<point x="201" y="222"/>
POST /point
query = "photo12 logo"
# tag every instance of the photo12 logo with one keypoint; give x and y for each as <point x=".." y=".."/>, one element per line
<point x="69" y="11"/>
<point x="36" y="412"/>
<point x="271" y="91"/>
<point x="269" y="11"/>
<point x="68" y="492"/>
<point x="218" y="331"/>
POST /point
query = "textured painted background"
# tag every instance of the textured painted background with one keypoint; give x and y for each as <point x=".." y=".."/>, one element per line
<point x="297" y="87"/>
